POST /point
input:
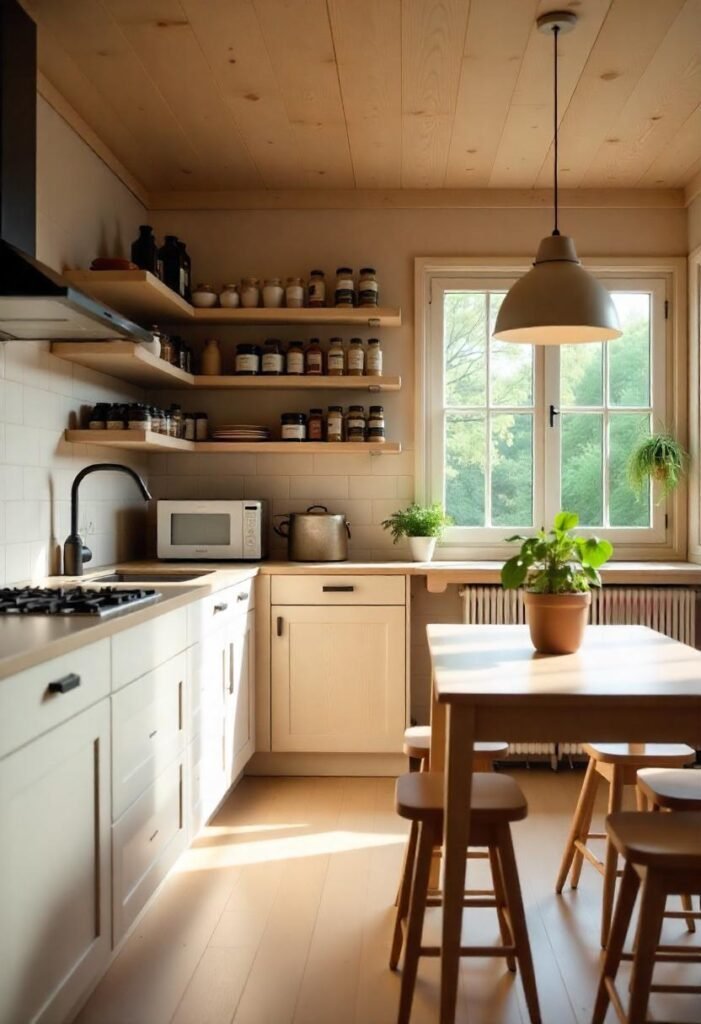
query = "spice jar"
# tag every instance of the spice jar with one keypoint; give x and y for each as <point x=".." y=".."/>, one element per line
<point x="317" y="289"/>
<point x="373" y="359"/>
<point x="334" y="423"/>
<point x="229" y="297"/>
<point x="336" y="358"/>
<point x="294" y="362"/>
<point x="315" y="425"/>
<point x="166" y="349"/>
<point x="211" y="359"/>
<point x="356" y="358"/>
<point x="273" y="293"/>
<point x="293" y="426"/>
<point x="368" y="289"/>
<point x="204" y="296"/>
<point x="314" y="363"/>
<point x="247" y="362"/>
<point x="273" y="361"/>
<point x="250" y="292"/>
<point x="138" y="418"/>
<point x="156" y="420"/>
<point x="376" y="424"/>
<point x="355" y="423"/>
<point x="116" y="417"/>
<point x="201" y="426"/>
<point x="189" y="426"/>
<point x="176" y="421"/>
<point x="345" y="290"/>
<point x="294" y="292"/>
<point x="98" y="417"/>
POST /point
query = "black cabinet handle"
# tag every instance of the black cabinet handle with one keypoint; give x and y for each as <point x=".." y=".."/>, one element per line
<point x="64" y="684"/>
<point x="152" y="734"/>
<point x="220" y="607"/>
<point x="151" y="838"/>
<point x="242" y="596"/>
<point x="279" y="625"/>
<point x="338" y="590"/>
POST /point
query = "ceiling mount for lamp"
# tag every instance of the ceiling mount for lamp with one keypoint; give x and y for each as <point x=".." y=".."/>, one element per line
<point x="557" y="302"/>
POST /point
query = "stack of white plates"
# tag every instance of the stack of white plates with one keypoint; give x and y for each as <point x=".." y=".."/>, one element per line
<point x="241" y="432"/>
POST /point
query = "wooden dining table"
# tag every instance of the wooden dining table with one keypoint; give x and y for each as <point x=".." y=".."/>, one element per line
<point x="625" y="684"/>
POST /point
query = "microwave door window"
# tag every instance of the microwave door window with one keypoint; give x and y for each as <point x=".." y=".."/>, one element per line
<point x="189" y="529"/>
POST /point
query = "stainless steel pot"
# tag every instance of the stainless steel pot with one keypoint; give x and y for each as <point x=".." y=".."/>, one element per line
<point x="316" y="535"/>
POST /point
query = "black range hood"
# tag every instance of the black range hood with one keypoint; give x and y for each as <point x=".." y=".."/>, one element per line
<point x="36" y="304"/>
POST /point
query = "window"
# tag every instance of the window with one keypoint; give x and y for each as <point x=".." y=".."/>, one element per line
<point x="516" y="432"/>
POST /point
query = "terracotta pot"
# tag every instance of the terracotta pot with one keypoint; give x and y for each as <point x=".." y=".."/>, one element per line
<point x="557" y="621"/>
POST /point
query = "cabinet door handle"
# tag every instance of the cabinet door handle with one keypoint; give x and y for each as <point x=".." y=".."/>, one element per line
<point x="64" y="684"/>
<point x="279" y="625"/>
<point x="151" y="838"/>
<point x="242" y="596"/>
<point x="338" y="590"/>
<point x="231" y="668"/>
<point x="220" y="607"/>
<point x="152" y="734"/>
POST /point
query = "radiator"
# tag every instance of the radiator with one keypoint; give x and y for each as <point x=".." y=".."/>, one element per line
<point x="669" y="610"/>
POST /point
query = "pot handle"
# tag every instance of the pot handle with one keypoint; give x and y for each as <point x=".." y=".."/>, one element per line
<point x="282" y="529"/>
<point x="348" y="530"/>
<point x="322" y="507"/>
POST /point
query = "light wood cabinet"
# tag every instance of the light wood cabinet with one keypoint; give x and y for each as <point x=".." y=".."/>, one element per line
<point x="338" y="678"/>
<point x="55" y="868"/>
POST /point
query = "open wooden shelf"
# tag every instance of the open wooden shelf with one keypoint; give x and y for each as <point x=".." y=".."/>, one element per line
<point x="131" y="362"/>
<point x="146" y="441"/>
<point x="140" y="295"/>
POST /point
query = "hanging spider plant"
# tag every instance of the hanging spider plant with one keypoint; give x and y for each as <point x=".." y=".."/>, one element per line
<point x="658" y="457"/>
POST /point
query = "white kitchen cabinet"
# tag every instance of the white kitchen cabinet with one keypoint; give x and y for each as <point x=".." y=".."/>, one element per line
<point x="239" y="729"/>
<point x="338" y="678"/>
<point x="55" y="868"/>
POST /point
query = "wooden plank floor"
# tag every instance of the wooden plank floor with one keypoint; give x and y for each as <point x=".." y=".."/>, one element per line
<point x="281" y="913"/>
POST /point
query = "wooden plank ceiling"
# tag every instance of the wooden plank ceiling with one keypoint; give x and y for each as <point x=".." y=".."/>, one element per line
<point x="380" y="94"/>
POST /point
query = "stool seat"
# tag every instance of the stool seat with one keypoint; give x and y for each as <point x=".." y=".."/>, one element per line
<point x="665" y="841"/>
<point x="495" y="798"/>
<point x="417" y="744"/>
<point x="662" y="755"/>
<point x="676" y="789"/>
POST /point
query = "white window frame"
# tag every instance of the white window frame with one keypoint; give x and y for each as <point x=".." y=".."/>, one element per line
<point x="667" y="539"/>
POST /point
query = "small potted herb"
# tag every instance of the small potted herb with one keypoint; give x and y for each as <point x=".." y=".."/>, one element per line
<point x="422" y="525"/>
<point x="558" y="571"/>
<point x="658" y="457"/>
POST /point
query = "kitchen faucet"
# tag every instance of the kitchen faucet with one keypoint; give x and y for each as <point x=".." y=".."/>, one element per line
<point x="75" y="552"/>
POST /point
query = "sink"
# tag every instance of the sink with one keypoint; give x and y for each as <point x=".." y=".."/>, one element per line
<point x="135" y="577"/>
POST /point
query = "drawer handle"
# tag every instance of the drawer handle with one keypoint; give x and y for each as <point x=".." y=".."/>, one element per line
<point x="338" y="590"/>
<point x="152" y="734"/>
<point x="151" y="838"/>
<point x="242" y="596"/>
<point x="220" y="607"/>
<point x="279" y="625"/>
<point x="64" y="684"/>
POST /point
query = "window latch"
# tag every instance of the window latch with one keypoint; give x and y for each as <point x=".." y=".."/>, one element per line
<point x="553" y="413"/>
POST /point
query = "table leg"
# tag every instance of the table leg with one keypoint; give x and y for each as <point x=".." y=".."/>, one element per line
<point x="458" y="787"/>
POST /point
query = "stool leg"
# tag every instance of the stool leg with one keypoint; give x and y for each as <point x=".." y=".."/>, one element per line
<point x="417" y="908"/>
<point x="652" y="907"/>
<point x="402" y="902"/>
<point x="687" y="905"/>
<point x="619" y="929"/>
<point x="498" y="886"/>
<point x="579" y="827"/>
<point x="517" y="920"/>
<point x="640" y="799"/>
<point x="611" y="858"/>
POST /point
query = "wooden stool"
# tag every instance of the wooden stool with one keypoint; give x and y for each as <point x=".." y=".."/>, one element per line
<point x="663" y="851"/>
<point x="417" y="747"/>
<point x="618" y="763"/>
<point x="673" y="789"/>
<point x="496" y="801"/>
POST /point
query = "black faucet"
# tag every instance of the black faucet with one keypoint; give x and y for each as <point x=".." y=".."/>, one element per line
<point x="75" y="553"/>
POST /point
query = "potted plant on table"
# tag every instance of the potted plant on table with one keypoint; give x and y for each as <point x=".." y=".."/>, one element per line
<point x="658" y="457"/>
<point x="558" y="571"/>
<point x="422" y="525"/>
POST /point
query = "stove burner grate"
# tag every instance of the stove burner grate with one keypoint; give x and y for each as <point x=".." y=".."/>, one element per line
<point x="73" y="600"/>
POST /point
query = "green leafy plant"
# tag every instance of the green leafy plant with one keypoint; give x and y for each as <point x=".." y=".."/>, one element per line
<point x="417" y="521"/>
<point x="556" y="562"/>
<point x="658" y="457"/>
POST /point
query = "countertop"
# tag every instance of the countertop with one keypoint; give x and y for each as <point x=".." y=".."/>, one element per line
<point x="28" y="640"/>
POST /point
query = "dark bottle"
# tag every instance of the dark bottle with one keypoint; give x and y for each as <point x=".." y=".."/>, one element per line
<point x="171" y="257"/>
<point x="144" y="251"/>
<point x="186" y="271"/>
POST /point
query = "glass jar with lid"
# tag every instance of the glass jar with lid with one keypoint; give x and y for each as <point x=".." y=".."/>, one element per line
<point x="273" y="293"/>
<point x="293" y="426"/>
<point x="317" y="289"/>
<point x="250" y="292"/>
<point x="201" y="426"/>
<point x="373" y="358"/>
<point x="272" y="361"/>
<point x="116" y="417"/>
<point x="355" y="423"/>
<point x="334" y="423"/>
<point x="189" y="426"/>
<point x="176" y="421"/>
<point x="344" y="294"/>
<point x="294" y="292"/>
<point x="376" y="424"/>
<point x="247" y="363"/>
<point x="98" y="416"/>
<point x="315" y="425"/>
<point x="314" y="359"/>
<point x="356" y="358"/>
<point x="294" y="360"/>
<point x="368" y="289"/>
<point x="336" y="358"/>
<point x="156" y="419"/>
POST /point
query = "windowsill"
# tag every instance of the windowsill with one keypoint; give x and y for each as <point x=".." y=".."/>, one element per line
<point x="440" y="574"/>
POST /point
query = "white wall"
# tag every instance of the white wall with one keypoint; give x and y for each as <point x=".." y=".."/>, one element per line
<point x="83" y="210"/>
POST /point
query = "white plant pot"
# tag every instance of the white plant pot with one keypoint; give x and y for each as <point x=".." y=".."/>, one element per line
<point x="422" y="548"/>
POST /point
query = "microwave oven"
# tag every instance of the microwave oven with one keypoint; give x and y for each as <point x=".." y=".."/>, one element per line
<point x="217" y="530"/>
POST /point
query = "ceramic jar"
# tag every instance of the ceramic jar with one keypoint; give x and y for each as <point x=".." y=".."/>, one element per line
<point x="204" y="296"/>
<point x="211" y="359"/>
<point x="250" y="292"/>
<point x="273" y="293"/>
<point x="294" y="292"/>
<point x="229" y="297"/>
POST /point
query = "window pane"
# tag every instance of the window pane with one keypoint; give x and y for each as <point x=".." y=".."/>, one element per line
<point x="512" y="469"/>
<point x="629" y="355"/>
<point x="464" y="346"/>
<point x="465" y="461"/>
<point x="581" y="375"/>
<point x="582" y="464"/>
<point x="626" y="506"/>
<point x="512" y="373"/>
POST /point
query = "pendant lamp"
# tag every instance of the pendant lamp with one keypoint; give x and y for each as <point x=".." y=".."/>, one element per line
<point x="557" y="302"/>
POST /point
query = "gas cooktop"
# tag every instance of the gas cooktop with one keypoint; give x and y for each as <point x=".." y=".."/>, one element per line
<point x="102" y="603"/>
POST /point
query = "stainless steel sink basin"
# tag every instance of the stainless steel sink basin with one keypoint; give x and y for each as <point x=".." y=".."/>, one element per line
<point x="136" y="578"/>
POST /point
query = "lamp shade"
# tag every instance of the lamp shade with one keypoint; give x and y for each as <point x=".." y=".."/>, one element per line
<point x="557" y="302"/>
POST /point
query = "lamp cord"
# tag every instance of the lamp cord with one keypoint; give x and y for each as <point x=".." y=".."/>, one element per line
<point x="556" y="31"/>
